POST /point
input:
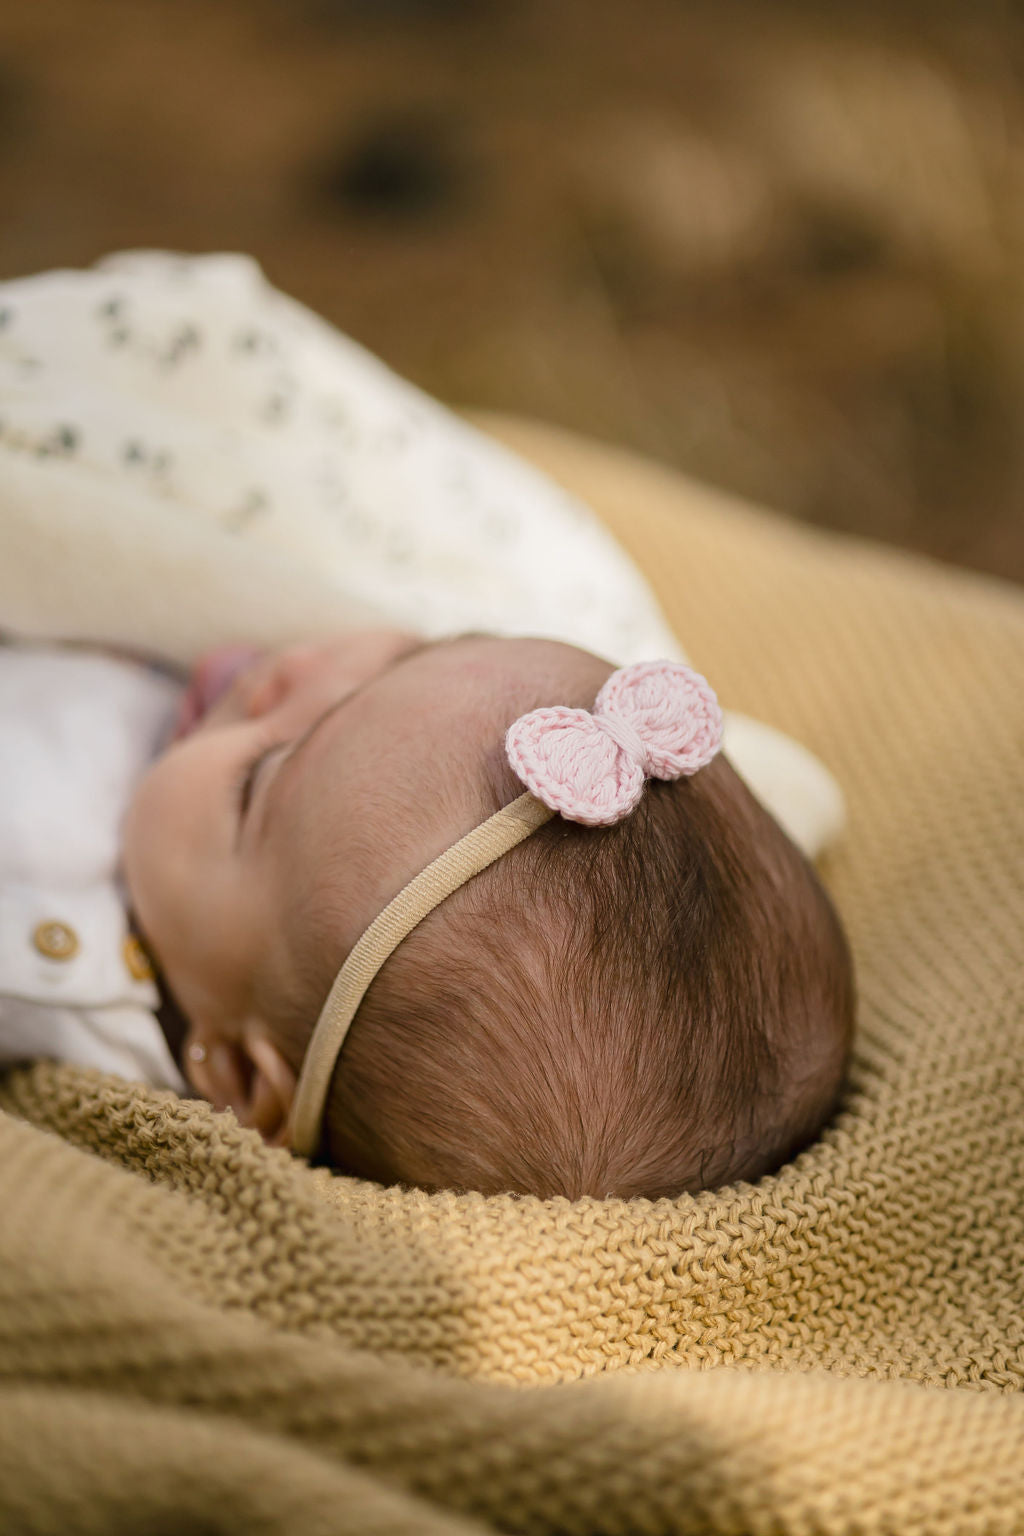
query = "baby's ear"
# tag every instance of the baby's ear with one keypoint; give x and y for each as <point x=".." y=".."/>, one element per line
<point x="267" y="1102"/>
<point x="247" y="1074"/>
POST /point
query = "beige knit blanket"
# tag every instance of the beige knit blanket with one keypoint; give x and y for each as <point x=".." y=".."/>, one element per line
<point x="198" y="1334"/>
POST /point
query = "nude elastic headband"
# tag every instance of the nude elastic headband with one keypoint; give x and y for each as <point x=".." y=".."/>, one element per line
<point x="657" y="719"/>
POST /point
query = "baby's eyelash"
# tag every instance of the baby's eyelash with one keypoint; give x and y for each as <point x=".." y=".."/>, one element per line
<point x="247" y="778"/>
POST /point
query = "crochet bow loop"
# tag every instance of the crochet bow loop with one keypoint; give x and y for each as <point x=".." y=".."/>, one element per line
<point x="565" y="759"/>
<point x="673" y="710"/>
<point x="656" y="719"/>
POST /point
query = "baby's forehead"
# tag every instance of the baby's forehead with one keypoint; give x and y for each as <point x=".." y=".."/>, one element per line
<point x="410" y="763"/>
<point x="432" y="726"/>
<point x="528" y="671"/>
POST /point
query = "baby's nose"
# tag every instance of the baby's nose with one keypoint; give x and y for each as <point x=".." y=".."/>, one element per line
<point x="278" y="680"/>
<point x="212" y="676"/>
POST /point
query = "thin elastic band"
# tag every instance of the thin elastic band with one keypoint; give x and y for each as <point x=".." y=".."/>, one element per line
<point x="431" y="886"/>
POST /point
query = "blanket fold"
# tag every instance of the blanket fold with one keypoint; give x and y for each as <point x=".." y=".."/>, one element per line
<point x="127" y="1396"/>
<point x="200" y="1331"/>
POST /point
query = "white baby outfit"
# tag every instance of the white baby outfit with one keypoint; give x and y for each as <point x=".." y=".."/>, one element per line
<point x="76" y="733"/>
<point x="189" y="385"/>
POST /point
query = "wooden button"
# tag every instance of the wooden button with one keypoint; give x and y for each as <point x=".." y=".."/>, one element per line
<point x="57" y="941"/>
<point x="136" y="959"/>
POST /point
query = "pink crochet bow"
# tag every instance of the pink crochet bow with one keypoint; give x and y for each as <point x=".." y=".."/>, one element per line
<point x="657" y="719"/>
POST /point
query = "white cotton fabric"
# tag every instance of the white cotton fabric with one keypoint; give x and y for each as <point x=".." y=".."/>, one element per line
<point x="76" y="732"/>
<point x="187" y="457"/>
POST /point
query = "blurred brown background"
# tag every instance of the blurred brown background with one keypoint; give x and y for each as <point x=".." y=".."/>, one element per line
<point x="777" y="244"/>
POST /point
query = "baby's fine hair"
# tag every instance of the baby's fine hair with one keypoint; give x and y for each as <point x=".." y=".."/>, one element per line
<point x="655" y="1007"/>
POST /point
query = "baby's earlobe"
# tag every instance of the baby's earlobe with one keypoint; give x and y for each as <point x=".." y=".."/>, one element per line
<point x="271" y="1089"/>
<point x="217" y="1070"/>
<point x="263" y="1111"/>
<point x="246" y="1074"/>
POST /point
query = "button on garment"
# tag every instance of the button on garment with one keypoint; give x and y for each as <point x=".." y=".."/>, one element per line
<point x="77" y="731"/>
<point x="77" y="957"/>
<point x="55" y="940"/>
<point x="135" y="958"/>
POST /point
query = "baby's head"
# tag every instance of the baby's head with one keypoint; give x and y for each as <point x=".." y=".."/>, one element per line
<point x="643" y="1008"/>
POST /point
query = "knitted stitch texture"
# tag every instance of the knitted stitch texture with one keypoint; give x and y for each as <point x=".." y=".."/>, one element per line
<point x="200" y="1333"/>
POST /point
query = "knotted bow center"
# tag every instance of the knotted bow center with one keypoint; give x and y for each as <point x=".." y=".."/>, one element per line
<point x="625" y="736"/>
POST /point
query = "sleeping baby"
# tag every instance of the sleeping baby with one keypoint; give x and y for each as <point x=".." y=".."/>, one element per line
<point x="483" y="912"/>
<point x="477" y="913"/>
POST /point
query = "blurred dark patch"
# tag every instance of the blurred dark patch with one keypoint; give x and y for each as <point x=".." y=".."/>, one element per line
<point x="15" y="94"/>
<point x="406" y="168"/>
<point x="381" y="12"/>
<point x="832" y="241"/>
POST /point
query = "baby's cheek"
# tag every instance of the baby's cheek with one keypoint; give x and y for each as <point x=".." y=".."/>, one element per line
<point x="156" y="832"/>
<point x="136" y="840"/>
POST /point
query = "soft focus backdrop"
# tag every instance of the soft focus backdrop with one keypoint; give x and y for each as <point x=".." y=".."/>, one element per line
<point x="780" y="245"/>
